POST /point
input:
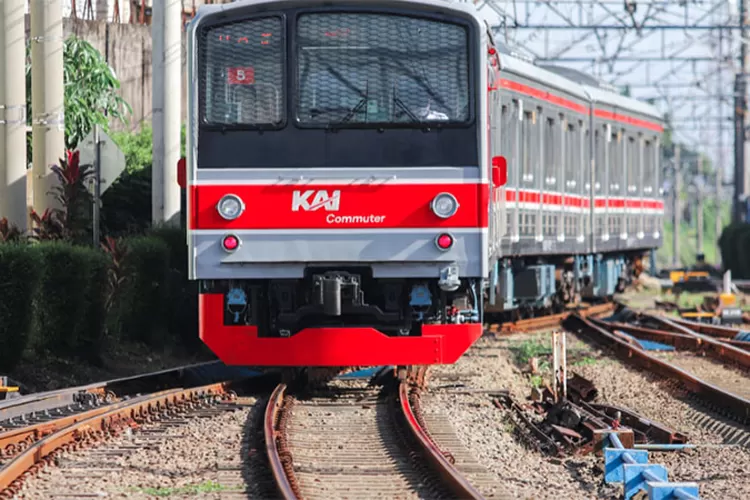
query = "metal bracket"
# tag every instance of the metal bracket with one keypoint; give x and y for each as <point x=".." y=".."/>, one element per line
<point x="4" y="110"/>
<point x="42" y="39"/>
<point x="43" y="120"/>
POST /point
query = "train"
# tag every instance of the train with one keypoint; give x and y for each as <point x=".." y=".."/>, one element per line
<point x="368" y="181"/>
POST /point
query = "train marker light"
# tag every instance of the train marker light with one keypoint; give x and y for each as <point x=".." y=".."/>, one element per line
<point x="444" y="241"/>
<point x="230" y="206"/>
<point x="182" y="172"/>
<point x="444" y="205"/>
<point x="499" y="171"/>
<point x="230" y="243"/>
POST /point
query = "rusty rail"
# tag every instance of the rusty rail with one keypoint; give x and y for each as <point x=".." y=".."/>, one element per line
<point x="715" y="347"/>
<point x="458" y="484"/>
<point x="279" y="456"/>
<point x="737" y="406"/>
<point x="96" y="425"/>
<point x="551" y="320"/>
<point x="722" y="332"/>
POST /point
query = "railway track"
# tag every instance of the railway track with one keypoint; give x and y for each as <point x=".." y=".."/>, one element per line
<point x="725" y="400"/>
<point x="37" y="428"/>
<point x="358" y="443"/>
<point x="550" y="320"/>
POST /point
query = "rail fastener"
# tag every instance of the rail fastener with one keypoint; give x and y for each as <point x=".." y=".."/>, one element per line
<point x="96" y="425"/>
<point x="279" y="456"/>
<point x="630" y="467"/>
<point x="452" y="478"/>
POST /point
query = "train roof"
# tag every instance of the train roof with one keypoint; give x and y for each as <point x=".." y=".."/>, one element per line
<point x="568" y="80"/>
<point x="573" y="82"/>
<point x="466" y="7"/>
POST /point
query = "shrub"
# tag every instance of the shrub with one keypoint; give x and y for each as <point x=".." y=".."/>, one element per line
<point x="19" y="278"/>
<point x="145" y="298"/>
<point x="70" y="304"/>
<point x="182" y="309"/>
<point x="126" y="205"/>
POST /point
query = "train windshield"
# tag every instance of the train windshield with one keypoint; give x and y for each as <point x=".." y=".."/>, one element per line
<point x="244" y="77"/>
<point x="383" y="69"/>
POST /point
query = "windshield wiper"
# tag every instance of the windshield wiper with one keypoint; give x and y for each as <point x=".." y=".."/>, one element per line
<point x="397" y="100"/>
<point x="405" y="108"/>
<point x="356" y="109"/>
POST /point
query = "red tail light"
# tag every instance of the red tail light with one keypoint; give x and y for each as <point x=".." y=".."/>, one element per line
<point x="444" y="241"/>
<point x="230" y="243"/>
<point x="182" y="173"/>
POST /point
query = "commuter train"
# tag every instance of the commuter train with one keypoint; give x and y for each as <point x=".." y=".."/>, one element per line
<point x="367" y="180"/>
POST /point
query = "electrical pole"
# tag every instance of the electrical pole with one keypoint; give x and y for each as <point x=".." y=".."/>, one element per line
<point x="719" y="169"/>
<point x="740" y="121"/>
<point x="47" y="98"/>
<point x="699" y="210"/>
<point x="166" y="32"/>
<point x="13" y="112"/>
<point x="676" y="208"/>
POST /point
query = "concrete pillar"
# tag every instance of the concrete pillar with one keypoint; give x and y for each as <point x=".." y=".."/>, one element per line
<point x="166" y="29"/>
<point x="13" y="161"/>
<point x="47" y="98"/>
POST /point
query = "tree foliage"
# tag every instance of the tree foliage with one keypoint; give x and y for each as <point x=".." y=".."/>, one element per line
<point x="91" y="91"/>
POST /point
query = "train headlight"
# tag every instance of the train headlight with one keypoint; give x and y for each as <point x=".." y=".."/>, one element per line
<point x="230" y="206"/>
<point x="445" y="205"/>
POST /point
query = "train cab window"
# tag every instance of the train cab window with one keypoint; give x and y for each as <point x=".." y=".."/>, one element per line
<point x="367" y="68"/>
<point x="243" y="73"/>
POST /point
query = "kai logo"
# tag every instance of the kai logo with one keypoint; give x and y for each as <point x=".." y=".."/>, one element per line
<point x="312" y="200"/>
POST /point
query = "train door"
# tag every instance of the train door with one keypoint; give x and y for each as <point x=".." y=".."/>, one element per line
<point x="641" y="221"/>
<point x="510" y="131"/>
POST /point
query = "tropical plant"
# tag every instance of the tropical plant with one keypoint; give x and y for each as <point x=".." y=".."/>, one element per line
<point x="117" y="251"/>
<point x="48" y="226"/>
<point x="70" y="221"/>
<point x="91" y="91"/>
<point x="71" y="192"/>
<point x="9" y="232"/>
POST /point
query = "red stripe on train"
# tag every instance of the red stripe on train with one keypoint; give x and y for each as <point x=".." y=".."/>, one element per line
<point x="546" y="96"/>
<point x="359" y="206"/>
<point x="579" y="201"/>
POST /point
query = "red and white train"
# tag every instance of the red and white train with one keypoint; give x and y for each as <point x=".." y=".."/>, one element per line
<point x="367" y="179"/>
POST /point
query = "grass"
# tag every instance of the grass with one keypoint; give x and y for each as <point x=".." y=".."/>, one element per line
<point x="191" y="489"/>
<point x="540" y="346"/>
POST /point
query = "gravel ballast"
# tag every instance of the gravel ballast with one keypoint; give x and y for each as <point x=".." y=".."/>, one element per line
<point x="494" y="364"/>
<point x="201" y="457"/>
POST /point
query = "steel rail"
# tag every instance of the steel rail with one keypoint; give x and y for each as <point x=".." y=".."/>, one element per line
<point x="550" y="320"/>
<point x="722" y="332"/>
<point x="737" y="406"/>
<point x="457" y="483"/>
<point x="716" y="347"/>
<point x="107" y="390"/>
<point x="95" y="424"/>
<point x="272" y="434"/>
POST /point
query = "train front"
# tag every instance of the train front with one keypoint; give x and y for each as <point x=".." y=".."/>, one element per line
<point x="338" y="190"/>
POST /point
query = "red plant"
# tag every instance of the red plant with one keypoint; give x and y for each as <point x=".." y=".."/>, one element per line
<point x="49" y="225"/>
<point x="117" y="251"/>
<point x="8" y="231"/>
<point x="72" y="195"/>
